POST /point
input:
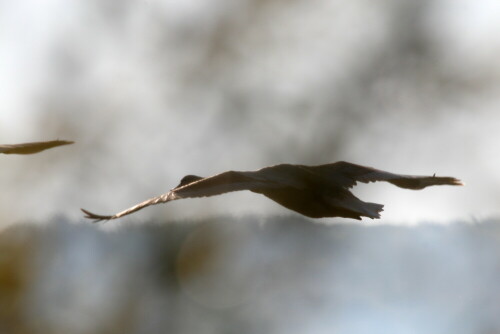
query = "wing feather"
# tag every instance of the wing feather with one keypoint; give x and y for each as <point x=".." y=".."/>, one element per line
<point x="152" y="201"/>
<point x="223" y="183"/>
<point x="347" y="175"/>
<point x="30" y="148"/>
<point x="215" y="185"/>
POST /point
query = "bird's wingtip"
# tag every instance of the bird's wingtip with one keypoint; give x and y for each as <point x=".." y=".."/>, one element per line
<point x="95" y="217"/>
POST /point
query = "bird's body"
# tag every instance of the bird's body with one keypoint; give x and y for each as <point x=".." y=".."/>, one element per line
<point x="31" y="148"/>
<point x="314" y="191"/>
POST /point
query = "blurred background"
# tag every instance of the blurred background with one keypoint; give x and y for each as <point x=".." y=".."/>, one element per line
<point x="156" y="89"/>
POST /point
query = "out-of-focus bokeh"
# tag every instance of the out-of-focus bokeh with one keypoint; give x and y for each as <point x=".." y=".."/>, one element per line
<point x="153" y="90"/>
<point x="227" y="275"/>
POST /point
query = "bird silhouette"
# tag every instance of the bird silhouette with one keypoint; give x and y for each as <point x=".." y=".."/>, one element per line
<point x="313" y="191"/>
<point x="31" y="148"/>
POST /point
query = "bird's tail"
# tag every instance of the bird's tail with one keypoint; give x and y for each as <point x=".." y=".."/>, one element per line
<point x="372" y="210"/>
<point x="356" y="208"/>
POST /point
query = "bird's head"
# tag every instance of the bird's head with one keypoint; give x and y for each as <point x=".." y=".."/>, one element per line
<point x="188" y="179"/>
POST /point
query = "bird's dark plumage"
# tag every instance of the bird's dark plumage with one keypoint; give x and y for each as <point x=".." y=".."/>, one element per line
<point x="314" y="191"/>
<point x="31" y="148"/>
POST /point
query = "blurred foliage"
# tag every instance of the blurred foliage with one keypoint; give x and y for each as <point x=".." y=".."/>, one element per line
<point x="279" y="275"/>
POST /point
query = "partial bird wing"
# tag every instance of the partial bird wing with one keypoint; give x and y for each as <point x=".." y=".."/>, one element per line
<point x="210" y="186"/>
<point x="347" y="175"/>
<point x="151" y="201"/>
<point x="30" y="148"/>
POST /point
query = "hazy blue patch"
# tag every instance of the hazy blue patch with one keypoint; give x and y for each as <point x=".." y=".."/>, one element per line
<point x="249" y="274"/>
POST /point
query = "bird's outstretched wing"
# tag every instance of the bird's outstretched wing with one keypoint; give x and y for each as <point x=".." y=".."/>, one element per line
<point x="210" y="186"/>
<point x="151" y="201"/>
<point x="30" y="148"/>
<point x="347" y="174"/>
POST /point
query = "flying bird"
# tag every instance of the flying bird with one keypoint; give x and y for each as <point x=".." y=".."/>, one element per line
<point x="313" y="191"/>
<point x="31" y="148"/>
